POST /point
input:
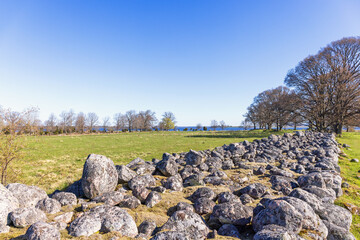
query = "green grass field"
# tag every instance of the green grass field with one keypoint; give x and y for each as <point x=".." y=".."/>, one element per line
<point x="53" y="162"/>
<point x="350" y="173"/>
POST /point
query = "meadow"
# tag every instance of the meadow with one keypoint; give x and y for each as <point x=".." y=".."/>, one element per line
<point x="54" y="162"/>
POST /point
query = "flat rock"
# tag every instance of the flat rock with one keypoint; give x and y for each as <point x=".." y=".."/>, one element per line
<point x="65" y="198"/>
<point x="28" y="196"/>
<point x="42" y="231"/>
<point x="22" y="217"/>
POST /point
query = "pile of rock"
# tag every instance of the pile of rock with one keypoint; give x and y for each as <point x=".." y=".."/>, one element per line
<point x="280" y="187"/>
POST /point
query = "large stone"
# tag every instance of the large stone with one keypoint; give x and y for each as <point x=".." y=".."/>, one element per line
<point x="28" y="196"/>
<point x="152" y="199"/>
<point x="194" y="158"/>
<point x="23" y="217"/>
<point x="309" y="198"/>
<point x="49" y="205"/>
<point x="168" y="167"/>
<point x="110" y="198"/>
<point x="42" y="231"/>
<point x="143" y="181"/>
<point x="65" y="198"/>
<point x="229" y="230"/>
<point x="125" y="174"/>
<point x="174" y="183"/>
<point x="275" y="232"/>
<point x="147" y="227"/>
<point x="336" y="215"/>
<point x="203" y="192"/>
<point x="189" y="222"/>
<point x="99" y="176"/>
<point x="8" y="203"/>
<point x="172" y="235"/>
<point x="129" y="202"/>
<point x="278" y="212"/>
<point x="234" y="213"/>
<point x="255" y="190"/>
<point x="204" y="205"/>
<point x="105" y="219"/>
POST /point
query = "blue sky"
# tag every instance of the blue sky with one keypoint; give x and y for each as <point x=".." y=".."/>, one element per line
<point x="200" y="59"/>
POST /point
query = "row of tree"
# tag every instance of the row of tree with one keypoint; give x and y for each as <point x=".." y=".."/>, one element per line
<point x="324" y="94"/>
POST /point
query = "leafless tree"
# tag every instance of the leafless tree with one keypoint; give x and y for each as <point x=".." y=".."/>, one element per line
<point x="222" y="125"/>
<point x="105" y="125"/>
<point x="80" y="122"/>
<point x="50" y="124"/>
<point x="130" y="119"/>
<point x="119" y="121"/>
<point x="214" y="124"/>
<point x="198" y="126"/>
<point x="147" y="120"/>
<point x="92" y="120"/>
<point x="170" y="115"/>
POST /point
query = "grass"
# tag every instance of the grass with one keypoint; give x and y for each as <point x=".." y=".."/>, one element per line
<point x="54" y="162"/>
<point x="350" y="174"/>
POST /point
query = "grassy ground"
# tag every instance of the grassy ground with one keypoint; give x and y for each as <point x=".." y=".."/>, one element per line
<point x="350" y="172"/>
<point x="53" y="162"/>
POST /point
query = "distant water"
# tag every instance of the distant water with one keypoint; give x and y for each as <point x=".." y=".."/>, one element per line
<point x="191" y="128"/>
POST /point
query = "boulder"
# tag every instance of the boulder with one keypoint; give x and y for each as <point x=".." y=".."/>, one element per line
<point x="129" y="202"/>
<point x="22" y="217"/>
<point x="8" y="203"/>
<point x="227" y="197"/>
<point x="49" y="205"/>
<point x="309" y="198"/>
<point x="143" y="181"/>
<point x="201" y="193"/>
<point x="184" y="206"/>
<point x="28" y="196"/>
<point x="189" y="222"/>
<point x="278" y="212"/>
<point x="336" y="215"/>
<point x="204" y="205"/>
<point x="275" y="232"/>
<point x="152" y="199"/>
<point x="125" y="174"/>
<point x="172" y="235"/>
<point x="64" y="218"/>
<point x="104" y="218"/>
<point x="110" y="198"/>
<point x="168" y="167"/>
<point x="255" y="190"/>
<point x="146" y="228"/>
<point x="135" y="162"/>
<point x="42" y="231"/>
<point x="194" y="158"/>
<point x="174" y="183"/>
<point x="260" y="171"/>
<point x="230" y="213"/>
<point x="141" y="193"/>
<point x="324" y="194"/>
<point x="229" y="230"/>
<point x="99" y="176"/>
<point x="65" y="198"/>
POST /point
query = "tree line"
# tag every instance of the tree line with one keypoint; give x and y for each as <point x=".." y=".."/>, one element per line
<point x="323" y="93"/>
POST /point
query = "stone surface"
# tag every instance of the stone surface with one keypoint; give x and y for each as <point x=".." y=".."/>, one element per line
<point x="65" y="198"/>
<point x="42" y="231"/>
<point x="110" y="198"/>
<point x="152" y="199"/>
<point x="204" y="205"/>
<point x="174" y="183"/>
<point x="105" y="219"/>
<point x="229" y="230"/>
<point x="28" y="196"/>
<point x="49" y="205"/>
<point x="201" y="193"/>
<point x="99" y="176"/>
<point x="129" y="202"/>
<point x="125" y="174"/>
<point x="8" y="203"/>
<point x="143" y="181"/>
<point x="255" y="190"/>
<point x="22" y="217"/>
<point x="147" y="227"/>
<point x="168" y="167"/>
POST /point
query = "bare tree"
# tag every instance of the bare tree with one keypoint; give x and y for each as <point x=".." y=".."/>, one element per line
<point x="198" y="126"/>
<point x="214" y="124"/>
<point x="92" y="120"/>
<point x="170" y="116"/>
<point x="80" y="122"/>
<point x="105" y="125"/>
<point x="50" y="124"/>
<point x="119" y="121"/>
<point x="130" y="119"/>
<point x="222" y="124"/>
<point x="147" y="120"/>
<point x="12" y="143"/>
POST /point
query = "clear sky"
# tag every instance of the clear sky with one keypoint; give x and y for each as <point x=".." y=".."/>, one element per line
<point x="200" y="59"/>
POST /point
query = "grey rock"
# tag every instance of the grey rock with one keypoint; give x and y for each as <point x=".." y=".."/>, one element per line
<point x="227" y="164"/>
<point x="135" y="162"/>
<point x="260" y="171"/>
<point x="152" y="199"/>
<point x="184" y="206"/>
<point x="147" y="168"/>
<point x="65" y="218"/>
<point x="8" y="203"/>
<point x="336" y="215"/>
<point x="167" y="167"/>
<point x="255" y="190"/>
<point x="147" y="228"/>
<point x="42" y="231"/>
<point x="201" y="193"/>
<point x="245" y="199"/>
<point x="194" y="180"/>
<point x="194" y="158"/>
<point x="141" y="193"/>
<point x="28" y="196"/>
<point x="275" y="232"/>
<point x="125" y="174"/>
<point x="65" y="198"/>
<point x="230" y="213"/>
<point x="130" y="202"/>
<point x="105" y="219"/>
<point x="76" y="189"/>
<point x="204" y="205"/>
<point x="189" y="222"/>
<point x="99" y="176"/>
<point x="110" y="198"/>
<point x="172" y="235"/>
<point x="338" y="233"/>
<point x="324" y="194"/>
<point x="227" y="197"/>
<point x="309" y="198"/>
<point x="354" y="160"/>
<point x="174" y="183"/>
<point x="214" y="162"/>
<point x="49" y="205"/>
<point x="278" y="212"/>
<point x="22" y="217"/>
<point x="143" y="181"/>
<point x="229" y="230"/>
